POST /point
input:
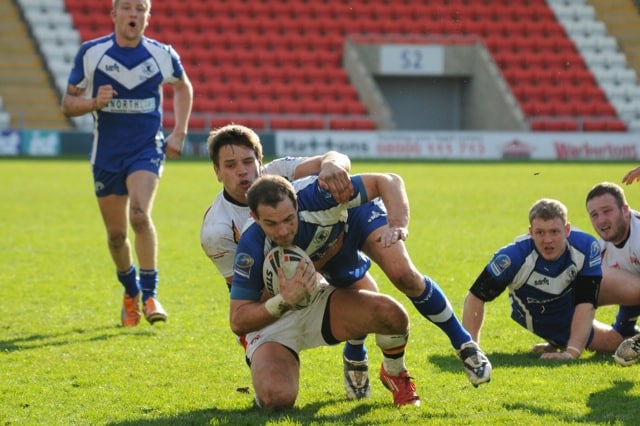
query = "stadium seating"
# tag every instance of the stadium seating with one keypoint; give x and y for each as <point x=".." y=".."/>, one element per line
<point x="280" y="60"/>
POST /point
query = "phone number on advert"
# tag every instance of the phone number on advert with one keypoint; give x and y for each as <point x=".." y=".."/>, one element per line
<point x="432" y="148"/>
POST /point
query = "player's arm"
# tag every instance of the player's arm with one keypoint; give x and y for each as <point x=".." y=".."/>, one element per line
<point x="485" y="289"/>
<point x="332" y="169"/>
<point x="182" y="103"/>
<point x="74" y="103"/>
<point x="632" y="176"/>
<point x="585" y="298"/>
<point x="247" y="315"/>
<point x="390" y="188"/>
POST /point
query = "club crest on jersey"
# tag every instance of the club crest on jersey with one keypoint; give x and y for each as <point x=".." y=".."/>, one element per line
<point x="500" y="264"/>
<point x="595" y="256"/>
<point x="243" y="265"/>
<point x="321" y="236"/>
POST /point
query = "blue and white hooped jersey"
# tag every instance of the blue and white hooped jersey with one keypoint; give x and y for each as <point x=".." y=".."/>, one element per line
<point x="321" y="220"/>
<point x="541" y="292"/>
<point x="626" y="257"/>
<point x="132" y="121"/>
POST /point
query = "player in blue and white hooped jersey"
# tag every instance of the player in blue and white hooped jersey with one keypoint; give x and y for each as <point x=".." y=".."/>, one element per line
<point x="118" y="78"/>
<point x="311" y="219"/>
<point x="619" y="229"/>
<point x="553" y="276"/>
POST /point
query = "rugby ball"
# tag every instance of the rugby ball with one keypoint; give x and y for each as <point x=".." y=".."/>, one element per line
<point x="287" y="259"/>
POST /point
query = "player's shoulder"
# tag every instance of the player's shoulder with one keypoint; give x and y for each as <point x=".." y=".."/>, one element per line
<point x="522" y="243"/>
<point x="223" y="211"/>
<point x="308" y="183"/>
<point x="579" y="238"/>
<point x="252" y="236"/>
<point x="158" y="49"/>
<point x="283" y="166"/>
<point x="104" y="42"/>
<point x="587" y="244"/>
<point x="148" y="41"/>
<point x="518" y="250"/>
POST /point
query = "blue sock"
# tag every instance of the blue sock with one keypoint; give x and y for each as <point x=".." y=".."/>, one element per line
<point x="434" y="306"/>
<point x="355" y="350"/>
<point x="148" y="283"/>
<point x="626" y="320"/>
<point x="129" y="280"/>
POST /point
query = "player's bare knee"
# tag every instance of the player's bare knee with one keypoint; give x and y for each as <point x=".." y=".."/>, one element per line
<point x="392" y="316"/>
<point x="139" y="220"/>
<point x="116" y="239"/>
<point x="406" y="279"/>
<point x="276" y="399"/>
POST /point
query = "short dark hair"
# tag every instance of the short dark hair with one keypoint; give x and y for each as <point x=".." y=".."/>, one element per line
<point x="604" y="188"/>
<point x="270" y="190"/>
<point x="233" y="134"/>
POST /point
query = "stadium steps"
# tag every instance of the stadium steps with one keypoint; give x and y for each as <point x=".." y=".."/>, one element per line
<point x="24" y="83"/>
<point x="623" y="22"/>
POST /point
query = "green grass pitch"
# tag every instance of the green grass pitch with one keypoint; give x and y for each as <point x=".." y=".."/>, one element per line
<point x="64" y="359"/>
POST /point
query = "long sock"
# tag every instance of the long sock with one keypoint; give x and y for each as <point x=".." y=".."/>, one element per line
<point x="393" y="352"/>
<point x="626" y="320"/>
<point x="355" y="350"/>
<point x="434" y="306"/>
<point x="129" y="281"/>
<point x="148" y="283"/>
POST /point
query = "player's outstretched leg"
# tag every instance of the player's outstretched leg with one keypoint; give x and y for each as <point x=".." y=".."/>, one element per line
<point x="434" y="306"/>
<point x="476" y="364"/>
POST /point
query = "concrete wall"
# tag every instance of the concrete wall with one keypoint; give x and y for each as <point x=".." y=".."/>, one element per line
<point x="469" y="94"/>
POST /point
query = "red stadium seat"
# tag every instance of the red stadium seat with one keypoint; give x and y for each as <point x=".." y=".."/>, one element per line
<point x="285" y="57"/>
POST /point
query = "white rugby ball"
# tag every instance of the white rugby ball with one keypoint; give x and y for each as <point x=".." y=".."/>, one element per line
<point x="287" y="259"/>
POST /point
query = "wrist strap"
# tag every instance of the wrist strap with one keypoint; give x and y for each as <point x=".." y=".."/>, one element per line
<point x="577" y="351"/>
<point x="276" y="306"/>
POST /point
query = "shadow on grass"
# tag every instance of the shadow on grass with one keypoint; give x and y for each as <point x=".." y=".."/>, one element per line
<point x="520" y="359"/>
<point x="62" y="338"/>
<point x="611" y="405"/>
<point x="310" y="413"/>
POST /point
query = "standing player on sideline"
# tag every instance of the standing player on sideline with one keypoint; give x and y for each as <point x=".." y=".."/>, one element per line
<point x="118" y="78"/>
<point x="313" y="221"/>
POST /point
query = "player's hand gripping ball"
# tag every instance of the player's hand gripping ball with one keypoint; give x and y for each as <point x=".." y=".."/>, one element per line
<point x="286" y="258"/>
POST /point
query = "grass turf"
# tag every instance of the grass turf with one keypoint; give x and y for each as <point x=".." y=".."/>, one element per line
<point x="64" y="359"/>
